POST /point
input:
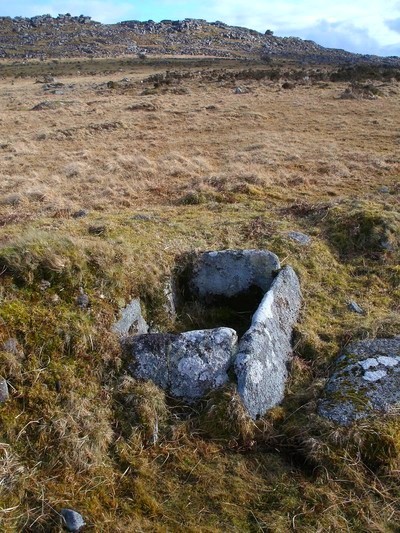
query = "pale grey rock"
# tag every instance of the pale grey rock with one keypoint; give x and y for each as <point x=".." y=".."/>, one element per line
<point x="72" y="520"/>
<point x="82" y="300"/>
<point x="368" y="363"/>
<point x="265" y="349"/>
<point x="366" y="381"/>
<point x="3" y="390"/>
<point x="10" y="345"/>
<point x="353" y="306"/>
<point x="131" y="320"/>
<point x="187" y="365"/>
<point x="229" y="273"/>
<point x="299" y="237"/>
<point x="374" y="375"/>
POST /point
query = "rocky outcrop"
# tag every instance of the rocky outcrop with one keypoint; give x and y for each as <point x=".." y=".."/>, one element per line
<point x="265" y="349"/>
<point x="366" y="381"/>
<point x="68" y="36"/>
<point x="187" y="365"/>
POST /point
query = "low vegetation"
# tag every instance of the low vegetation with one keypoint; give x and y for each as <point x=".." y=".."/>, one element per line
<point x="105" y="196"/>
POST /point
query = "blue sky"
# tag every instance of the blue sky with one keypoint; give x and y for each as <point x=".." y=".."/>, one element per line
<point x="365" y="26"/>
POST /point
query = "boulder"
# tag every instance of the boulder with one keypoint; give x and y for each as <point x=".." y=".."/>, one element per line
<point x="265" y="349"/>
<point x="229" y="273"/>
<point x="365" y="381"/>
<point x="131" y="320"/>
<point x="187" y="365"/>
<point x="72" y="520"/>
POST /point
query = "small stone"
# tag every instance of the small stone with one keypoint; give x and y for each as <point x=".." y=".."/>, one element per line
<point x="145" y="218"/>
<point x="44" y="285"/>
<point x="353" y="306"/>
<point x="10" y="346"/>
<point x="80" y="213"/>
<point x="384" y="189"/>
<point x="3" y="390"/>
<point x="72" y="520"/>
<point x="82" y="301"/>
<point x="299" y="237"/>
<point x="97" y="230"/>
<point x="131" y="321"/>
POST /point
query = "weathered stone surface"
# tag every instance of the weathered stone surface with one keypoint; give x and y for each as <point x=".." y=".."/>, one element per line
<point x="131" y="321"/>
<point x="3" y="390"/>
<point x="265" y="349"/>
<point x="73" y="521"/>
<point x="299" y="237"/>
<point x="229" y="273"/>
<point x="188" y="365"/>
<point x="366" y="381"/>
<point x="353" y="306"/>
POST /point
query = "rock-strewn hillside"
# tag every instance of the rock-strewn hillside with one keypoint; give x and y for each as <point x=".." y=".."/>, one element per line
<point x="67" y="36"/>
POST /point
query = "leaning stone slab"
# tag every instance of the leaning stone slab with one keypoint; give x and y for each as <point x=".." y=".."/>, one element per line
<point x="265" y="349"/>
<point x="187" y="365"/>
<point x="131" y="320"/>
<point x="366" y="381"/>
<point x="229" y="273"/>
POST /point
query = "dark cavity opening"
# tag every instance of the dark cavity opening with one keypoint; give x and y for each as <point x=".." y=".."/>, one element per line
<point x="234" y="312"/>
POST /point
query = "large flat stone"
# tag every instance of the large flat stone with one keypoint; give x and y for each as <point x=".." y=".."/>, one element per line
<point x="265" y="349"/>
<point x="229" y="273"/>
<point x="187" y="365"/>
<point x="365" y="381"/>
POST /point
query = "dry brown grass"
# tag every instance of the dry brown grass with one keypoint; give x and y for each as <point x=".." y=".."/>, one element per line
<point x="306" y="140"/>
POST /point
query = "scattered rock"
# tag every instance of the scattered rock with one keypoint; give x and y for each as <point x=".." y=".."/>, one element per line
<point x="82" y="301"/>
<point x="145" y="218"/>
<point x="72" y="520"/>
<point x="10" y="346"/>
<point x="131" y="321"/>
<point x="384" y="189"/>
<point x="241" y="90"/>
<point x="97" y="230"/>
<point x="44" y="285"/>
<point x="3" y="390"/>
<point x="142" y="106"/>
<point x="353" y="306"/>
<point x="265" y="349"/>
<point x="366" y="381"/>
<point x="288" y="85"/>
<point x="80" y="213"/>
<point x="299" y="237"/>
<point x="230" y="273"/>
<point x="188" y="365"/>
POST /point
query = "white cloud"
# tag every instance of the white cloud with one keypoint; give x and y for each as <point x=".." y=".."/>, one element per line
<point x="358" y="26"/>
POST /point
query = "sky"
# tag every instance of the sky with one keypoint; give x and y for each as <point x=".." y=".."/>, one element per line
<point x="363" y="26"/>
